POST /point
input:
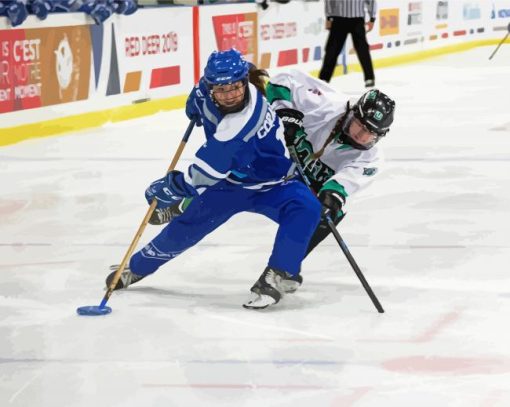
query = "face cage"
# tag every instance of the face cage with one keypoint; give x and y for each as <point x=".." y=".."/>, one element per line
<point x="236" y="108"/>
<point x="346" y="138"/>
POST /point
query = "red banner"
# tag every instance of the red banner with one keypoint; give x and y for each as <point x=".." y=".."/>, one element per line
<point x="238" y="31"/>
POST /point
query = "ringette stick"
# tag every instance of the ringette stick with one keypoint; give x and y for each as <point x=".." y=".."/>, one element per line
<point x="102" y="309"/>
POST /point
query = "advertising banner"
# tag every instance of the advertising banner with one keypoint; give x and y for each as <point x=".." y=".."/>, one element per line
<point x="44" y="66"/>
<point x="224" y="26"/>
<point x="156" y="53"/>
<point x="152" y="54"/>
<point x="389" y="21"/>
<point x="500" y="15"/>
<point x="292" y="34"/>
<point x="239" y="31"/>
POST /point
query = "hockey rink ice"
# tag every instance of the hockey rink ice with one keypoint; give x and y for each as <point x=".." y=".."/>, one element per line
<point x="431" y="236"/>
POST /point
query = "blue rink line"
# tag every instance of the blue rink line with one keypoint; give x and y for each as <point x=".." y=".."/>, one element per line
<point x="372" y="246"/>
<point x="450" y="159"/>
<point x="151" y="159"/>
<point x="174" y="361"/>
<point x="267" y="362"/>
<point x="95" y="159"/>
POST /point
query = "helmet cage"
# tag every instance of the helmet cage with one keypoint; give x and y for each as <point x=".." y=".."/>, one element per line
<point x="375" y="110"/>
<point x="347" y="138"/>
<point x="226" y="108"/>
<point x="226" y="68"/>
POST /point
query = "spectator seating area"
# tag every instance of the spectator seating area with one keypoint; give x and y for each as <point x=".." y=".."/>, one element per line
<point x="17" y="11"/>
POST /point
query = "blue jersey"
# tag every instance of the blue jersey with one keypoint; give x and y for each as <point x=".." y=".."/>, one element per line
<point x="245" y="148"/>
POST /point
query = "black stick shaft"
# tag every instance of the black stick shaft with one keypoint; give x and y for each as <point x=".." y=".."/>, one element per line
<point x="354" y="265"/>
<point x="500" y="44"/>
<point x="338" y="238"/>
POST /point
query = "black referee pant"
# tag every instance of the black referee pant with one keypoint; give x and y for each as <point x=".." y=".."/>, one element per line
<point x="340" y="27"/>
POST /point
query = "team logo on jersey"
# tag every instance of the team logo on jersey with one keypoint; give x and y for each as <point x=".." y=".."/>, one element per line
<point x="369" y="171"/>
<point x="268" y="123"/>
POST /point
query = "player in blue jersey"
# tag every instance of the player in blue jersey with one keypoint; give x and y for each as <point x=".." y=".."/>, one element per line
<point x="244" y="166"/>
<point x="335" y="140"/>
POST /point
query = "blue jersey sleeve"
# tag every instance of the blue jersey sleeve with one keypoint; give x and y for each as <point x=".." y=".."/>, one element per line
<point x="201" y="107"/>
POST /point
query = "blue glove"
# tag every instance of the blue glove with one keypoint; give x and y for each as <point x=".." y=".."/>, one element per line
<point x="40" y="8"/>
<point x="169" y="190"/>
<point x="193" y="105"/>
<point x="125" y="7"/>
<point x="16" y="12"/>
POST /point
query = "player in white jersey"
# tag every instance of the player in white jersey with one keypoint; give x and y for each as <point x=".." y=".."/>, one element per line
<point x="334" y="138"/>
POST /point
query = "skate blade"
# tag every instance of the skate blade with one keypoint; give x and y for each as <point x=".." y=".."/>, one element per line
<point x="258" y="301"/>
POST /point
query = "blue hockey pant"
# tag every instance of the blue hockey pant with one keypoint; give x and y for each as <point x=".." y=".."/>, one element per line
<point x="290" y="204"/>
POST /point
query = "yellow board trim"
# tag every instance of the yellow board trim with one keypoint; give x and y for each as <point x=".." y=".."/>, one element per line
<point x="12" y="135"/>
<point x="417" y="56"/>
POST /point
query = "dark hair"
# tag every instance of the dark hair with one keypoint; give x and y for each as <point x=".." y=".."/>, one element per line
<point x="257" y="78"/>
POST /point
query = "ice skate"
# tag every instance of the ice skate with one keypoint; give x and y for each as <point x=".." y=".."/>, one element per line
<point x="270" y="287"/>
<point x="126" y="278"/>
<point x="291" y="283"/>
<point x="162" y="216"/>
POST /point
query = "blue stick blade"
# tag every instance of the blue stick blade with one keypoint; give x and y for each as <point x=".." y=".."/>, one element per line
<point x="92" y="310"/>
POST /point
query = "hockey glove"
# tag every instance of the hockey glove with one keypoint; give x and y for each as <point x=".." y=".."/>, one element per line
<point x="169" y="190"/>
<point x="195" y="101"/>
<point x="332" y="196"/>
<point x="293" y="124"/>
<point x="162" y="216"/>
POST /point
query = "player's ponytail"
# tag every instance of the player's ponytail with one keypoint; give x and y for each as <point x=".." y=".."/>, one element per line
<point x="257" y="78"/>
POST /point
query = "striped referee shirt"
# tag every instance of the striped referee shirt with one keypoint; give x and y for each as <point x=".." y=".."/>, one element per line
<point x="351" y="8"/>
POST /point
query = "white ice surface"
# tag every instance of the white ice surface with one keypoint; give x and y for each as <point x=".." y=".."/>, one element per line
<point x="431" y="236"/>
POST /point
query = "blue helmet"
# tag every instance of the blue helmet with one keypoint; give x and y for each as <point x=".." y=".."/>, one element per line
<point x="225" y="67"/>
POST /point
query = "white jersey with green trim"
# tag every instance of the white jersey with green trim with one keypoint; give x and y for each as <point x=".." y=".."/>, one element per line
<point x="322" y="106"/>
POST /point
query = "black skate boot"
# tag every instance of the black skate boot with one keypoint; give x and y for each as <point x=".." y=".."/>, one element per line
<point x="291" y="284"/>
<point x="126" y="277"/>
<point x="270" y="287"/>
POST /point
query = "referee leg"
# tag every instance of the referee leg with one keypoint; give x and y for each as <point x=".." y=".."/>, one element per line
<point x="359" y="40"/>
<point x="336" y="40"/>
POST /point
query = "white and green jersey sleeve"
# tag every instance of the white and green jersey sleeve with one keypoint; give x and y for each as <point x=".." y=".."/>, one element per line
<point x="322" y="106"/>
